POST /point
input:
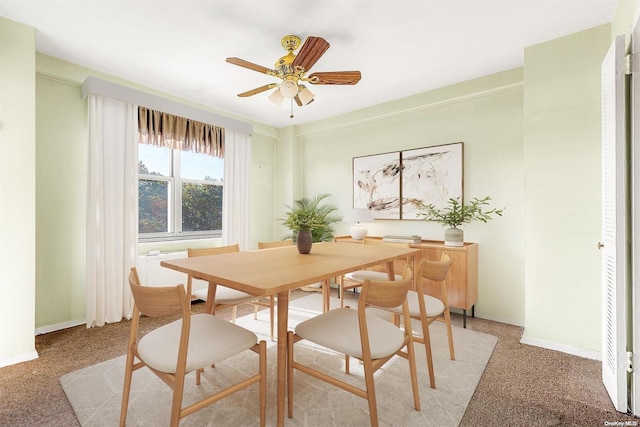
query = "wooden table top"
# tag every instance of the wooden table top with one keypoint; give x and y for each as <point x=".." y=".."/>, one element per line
<point x="270" y="271"/>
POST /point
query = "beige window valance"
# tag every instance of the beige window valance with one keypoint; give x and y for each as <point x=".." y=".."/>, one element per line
<point x="178" y="133"/>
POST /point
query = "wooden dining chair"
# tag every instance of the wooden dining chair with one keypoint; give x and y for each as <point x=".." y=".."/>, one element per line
<point x="185" y="345"/>
<point x="355" y="279"/>
<point x="428" y="309"/>
<point x="358" y="334"/>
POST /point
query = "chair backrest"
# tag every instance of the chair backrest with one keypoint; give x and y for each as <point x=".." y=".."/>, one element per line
<point x="384" y="294"/>
<point x="157" y="301"/>
<point x="276" y="244"/>
<point x="213" y="251"/>
<point x="435" y="270"/>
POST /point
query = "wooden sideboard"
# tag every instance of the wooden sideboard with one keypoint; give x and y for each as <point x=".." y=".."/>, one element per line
<point x="462" y="280"/>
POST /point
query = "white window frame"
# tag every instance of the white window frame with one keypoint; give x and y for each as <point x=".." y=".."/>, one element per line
<point x="175" y="205"/>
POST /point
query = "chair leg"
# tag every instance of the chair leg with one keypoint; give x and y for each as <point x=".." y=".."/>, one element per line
<point x="198" y="372"/>
<point x="176" y="404"/>
<point x="447" y="321"/>
<point x="272" y="309"/>
<point x="234" y="310"/>
<point x="426" y="338"/>
<point x="255" y="312"/>
<point x="263" y="383"/>
<point x="371" y="393"/>
<point x="290" y="374"/>
<point x="126" y="389"/>
<point x="413" y="371"/>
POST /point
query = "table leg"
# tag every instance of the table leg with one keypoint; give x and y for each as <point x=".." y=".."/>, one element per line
<point x="391" y="275"/>
<point x="211" y="298"/>
<point x="326" y="294"/>
<point x="283" y="321"/>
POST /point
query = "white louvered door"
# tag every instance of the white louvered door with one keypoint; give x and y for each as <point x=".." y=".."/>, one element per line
<point x="614" y="217"/>
<point x="635" y="212"/>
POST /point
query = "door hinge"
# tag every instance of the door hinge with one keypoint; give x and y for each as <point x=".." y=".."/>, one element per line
<point x="627" y="64"/>
<point x="629" y="362"/>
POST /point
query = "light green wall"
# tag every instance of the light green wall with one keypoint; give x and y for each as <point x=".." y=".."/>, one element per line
<point x="562" y="185"/>
<point x="486" y="115"/>
<point x="263" y="190"/>
<point x="17" y="192"/>
<point x="61" y="188"/>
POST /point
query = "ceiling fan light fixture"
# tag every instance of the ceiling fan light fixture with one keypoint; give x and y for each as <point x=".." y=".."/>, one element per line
<point x="289" y="89"/>
<point x="291" y="70"/>
<point x="276" y="97"/>
<point x="305" y="96"/>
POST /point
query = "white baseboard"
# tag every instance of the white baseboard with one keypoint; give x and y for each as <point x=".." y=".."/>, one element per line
<point x="19" y="358"/>
<point x="60" y="326"/>
<point x="576" y="351"/>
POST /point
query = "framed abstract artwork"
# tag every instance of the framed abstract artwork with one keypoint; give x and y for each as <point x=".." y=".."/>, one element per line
<point x="395" y="185"/>
<point x="430" y="175"/>
<point x="376" y="184"/>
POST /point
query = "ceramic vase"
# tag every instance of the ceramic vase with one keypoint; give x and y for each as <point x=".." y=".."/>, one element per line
<point x="453" y="237"/>
<point x="304" y="241"/>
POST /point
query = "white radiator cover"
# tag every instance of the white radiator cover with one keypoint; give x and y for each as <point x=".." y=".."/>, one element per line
<point x="153" y="274"/>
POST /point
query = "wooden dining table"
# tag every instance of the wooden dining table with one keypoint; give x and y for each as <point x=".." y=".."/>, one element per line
<point x="277" y="271"/>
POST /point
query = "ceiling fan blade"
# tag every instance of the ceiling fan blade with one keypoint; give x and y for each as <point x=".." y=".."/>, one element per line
<point x="251" y="66"/>
<point x="257" y="90"/>
<point x="312" y="49"/>
<point x="336" y="78"/>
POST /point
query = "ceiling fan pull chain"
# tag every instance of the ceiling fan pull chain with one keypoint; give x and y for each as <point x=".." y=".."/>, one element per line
<point x="291" y="116"/>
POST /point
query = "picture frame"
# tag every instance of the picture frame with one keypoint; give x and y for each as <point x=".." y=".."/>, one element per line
<point x="395" y="185"/>
<point x="376" y="184"/>
<point x="430" y="175"/>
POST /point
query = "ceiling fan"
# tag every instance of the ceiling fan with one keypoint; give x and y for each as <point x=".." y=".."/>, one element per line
<point x="292" y="70"/>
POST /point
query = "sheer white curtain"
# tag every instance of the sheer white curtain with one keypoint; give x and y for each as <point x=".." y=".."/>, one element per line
<point x="112" y="209"/>
<point x="236" y="195"/>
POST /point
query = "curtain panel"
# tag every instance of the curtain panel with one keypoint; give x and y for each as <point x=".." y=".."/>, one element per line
<point x="178" y="133"/>
<point x="112" y="209"/>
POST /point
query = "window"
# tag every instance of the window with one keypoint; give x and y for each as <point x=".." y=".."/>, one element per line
<point x="179" y="194"/>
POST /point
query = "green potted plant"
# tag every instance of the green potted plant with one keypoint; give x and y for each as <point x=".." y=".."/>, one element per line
<point x="310" y="220"/>
<point x="457" y="213"/>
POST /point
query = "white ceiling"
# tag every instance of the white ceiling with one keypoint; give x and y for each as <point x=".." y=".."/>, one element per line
<point x="401" y="47"/>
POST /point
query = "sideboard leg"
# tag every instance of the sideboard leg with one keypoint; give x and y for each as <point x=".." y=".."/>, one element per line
<point x="464" y="319"/>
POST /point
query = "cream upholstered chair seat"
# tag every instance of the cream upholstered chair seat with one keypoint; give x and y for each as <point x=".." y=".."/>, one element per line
<point x="362" y="275"/>
<point x="159" y="348"/>
<point x="226" y="296"/>
<point x="338" y="330"/>
<point x="434" y="306"/>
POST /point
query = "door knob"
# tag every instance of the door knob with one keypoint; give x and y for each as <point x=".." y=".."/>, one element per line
<point x="600" y="245"/>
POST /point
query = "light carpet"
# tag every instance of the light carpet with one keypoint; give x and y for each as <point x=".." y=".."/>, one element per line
<point x="95" y="392"/>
